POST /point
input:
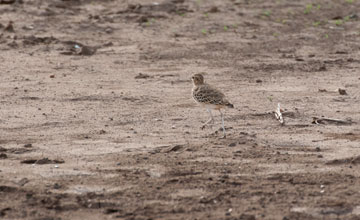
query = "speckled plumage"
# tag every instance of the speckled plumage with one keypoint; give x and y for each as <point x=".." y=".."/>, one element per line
<point x="209" y="97"/>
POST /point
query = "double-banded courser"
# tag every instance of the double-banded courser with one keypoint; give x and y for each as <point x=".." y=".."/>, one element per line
<point x="209" y="98"/>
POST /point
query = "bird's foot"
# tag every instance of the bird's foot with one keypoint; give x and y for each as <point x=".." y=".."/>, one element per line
<point x="223" y="137"/>
<point x="210" y="124"/>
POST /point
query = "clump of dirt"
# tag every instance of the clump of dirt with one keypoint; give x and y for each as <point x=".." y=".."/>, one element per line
<point x="42" y="161"/>
<point x="350" y="160"/>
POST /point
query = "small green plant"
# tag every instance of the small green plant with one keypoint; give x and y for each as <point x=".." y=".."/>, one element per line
<point x="316" y="23"/>
<point x="204" y="31"/>
<point x="318" y="7"/>
<point x="206" y="15"/>
<point x="267" y="13"/>
<point x="308" y="8"/>
<point x="226" y="28"/>
<point x="270" y="98"/>
<point x="347" y="18"/>
<point x="326" y="36"/>
<point x="350" y="1"/>
<point x="182" y="14"/>
<point x="339" y="22"/>
<point x="275" y="34"/>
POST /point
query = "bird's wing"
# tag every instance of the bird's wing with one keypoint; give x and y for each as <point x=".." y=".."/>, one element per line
<point x="209" y="95"/>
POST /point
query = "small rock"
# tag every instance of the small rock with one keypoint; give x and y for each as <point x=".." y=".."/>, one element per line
<point x="23" y="181"/>
<point x="41" y="161"/>
<point x="322" y="67"/>
<point x="143" y="19"/>
<point x="57" y="186"/>
<point x="52" y="76"/>
<point x="214" y="9"/>
<point x="247" y="217"/>
<point x="342" y="91"/>
<point x="13" y="44"/>
<point x="353" y="16"/>
<point x="87" y="51"/>
<point x="3" y="156"/>
<point x="142" y="76"/>
<point x="108" y="44"/>
<point x="258" y="81"/>
<point x="175" y="148"/>
<point x="10" y="27"/>
<point x="232" y="144"/>
<point x="8" y="2"/>
<point x="109" y="30"/>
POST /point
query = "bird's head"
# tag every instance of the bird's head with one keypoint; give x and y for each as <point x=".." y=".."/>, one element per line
<point x="197" y="79"/>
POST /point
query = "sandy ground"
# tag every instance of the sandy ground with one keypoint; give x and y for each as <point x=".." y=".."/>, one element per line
<point x="97" y="120"/>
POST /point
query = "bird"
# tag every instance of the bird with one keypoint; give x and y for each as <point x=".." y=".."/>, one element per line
<point x="210" y="98"/>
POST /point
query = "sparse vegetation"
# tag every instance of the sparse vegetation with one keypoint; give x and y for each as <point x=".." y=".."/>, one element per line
<point x="316" y="23"/>
<point x="339" y="22"/>
<point x="308" y="8"/>
<point x="267" y="13"/>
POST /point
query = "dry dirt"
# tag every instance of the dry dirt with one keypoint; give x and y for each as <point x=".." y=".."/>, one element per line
<point x="97" y="121"/>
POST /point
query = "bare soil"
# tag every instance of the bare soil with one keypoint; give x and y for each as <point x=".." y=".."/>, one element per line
<point x="97" y="120"/>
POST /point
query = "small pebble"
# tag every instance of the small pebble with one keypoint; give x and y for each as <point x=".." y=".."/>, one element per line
<point x="232" y="144"/>
<point x="28" y="145"/>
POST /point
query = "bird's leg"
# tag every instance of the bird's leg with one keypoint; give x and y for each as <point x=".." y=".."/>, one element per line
<point x="222" y="123"/>
<point x="211" y="120"/>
